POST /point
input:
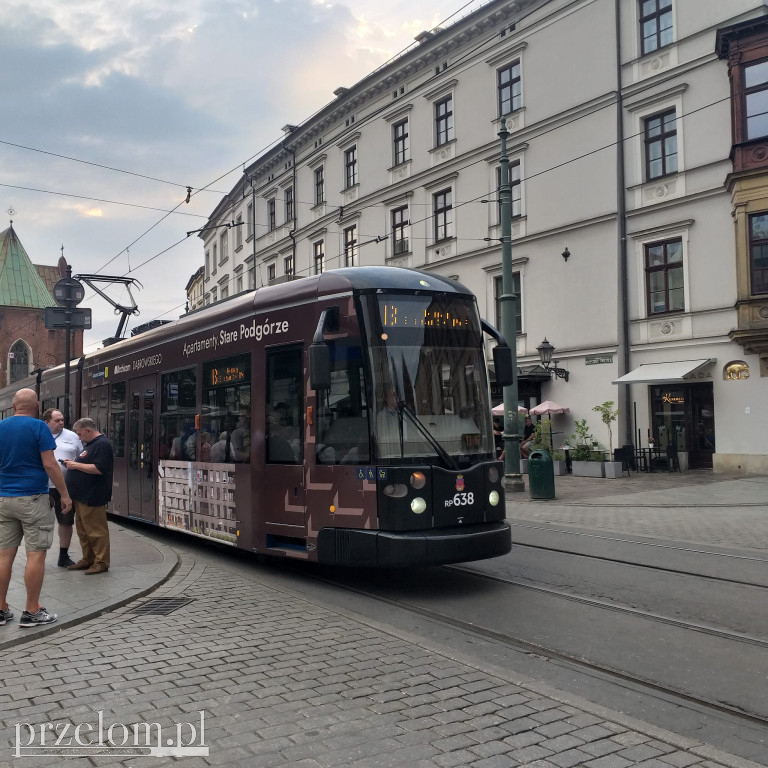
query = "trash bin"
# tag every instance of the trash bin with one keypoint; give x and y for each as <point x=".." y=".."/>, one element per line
<point x="541" y="475"/>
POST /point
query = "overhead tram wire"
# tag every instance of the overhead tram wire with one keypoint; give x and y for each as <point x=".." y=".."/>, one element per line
<point x="95" y="165"/>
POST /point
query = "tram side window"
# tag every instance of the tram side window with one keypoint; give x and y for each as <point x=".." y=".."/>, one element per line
<point x="116" y="429"/>
<point x="178" y="402"/>
<point x="285" y="384"/>
<point x="226" y="435"/>
<point x="342" y="411"/>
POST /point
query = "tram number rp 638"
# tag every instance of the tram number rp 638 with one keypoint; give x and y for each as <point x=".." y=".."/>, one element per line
<point x="461" y="500"/>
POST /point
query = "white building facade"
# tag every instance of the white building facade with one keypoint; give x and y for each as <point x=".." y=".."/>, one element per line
<point x="627" y="178"/>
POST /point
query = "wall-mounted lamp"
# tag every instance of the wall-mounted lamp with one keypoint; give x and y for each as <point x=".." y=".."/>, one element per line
<point x="565" y="254"/>
<point x="545" y="350"/>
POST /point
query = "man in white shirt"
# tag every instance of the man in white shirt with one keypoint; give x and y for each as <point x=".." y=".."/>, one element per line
<point x="68" y="446"/>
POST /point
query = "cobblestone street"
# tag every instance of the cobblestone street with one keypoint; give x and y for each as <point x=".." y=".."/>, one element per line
<point x="287" y="682"/>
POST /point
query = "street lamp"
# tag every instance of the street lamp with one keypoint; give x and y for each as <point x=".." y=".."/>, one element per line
<point x="545" y="350"/>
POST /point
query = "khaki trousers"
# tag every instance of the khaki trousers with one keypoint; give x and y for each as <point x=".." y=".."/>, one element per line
<point x="93" y="532"/>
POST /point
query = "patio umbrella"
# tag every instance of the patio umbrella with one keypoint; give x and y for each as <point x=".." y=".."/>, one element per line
<point x="499" y="409"/>
<point x="548" y="407"/>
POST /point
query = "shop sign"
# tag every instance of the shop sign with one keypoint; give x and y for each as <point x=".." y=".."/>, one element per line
<point x="667" y="397"/>
<point x="598" y="359"/>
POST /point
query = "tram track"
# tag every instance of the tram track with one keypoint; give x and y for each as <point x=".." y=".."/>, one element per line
<point x="557" y="655"/>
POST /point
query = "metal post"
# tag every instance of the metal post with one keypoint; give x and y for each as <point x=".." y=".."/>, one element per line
<point x="67" y="352"/>
<point x="511" y="436"/>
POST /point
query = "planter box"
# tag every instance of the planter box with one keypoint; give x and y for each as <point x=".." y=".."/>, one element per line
<point x="559" y="467"/>
<point x="613" y="469"/>
<point x="588" y="468"/>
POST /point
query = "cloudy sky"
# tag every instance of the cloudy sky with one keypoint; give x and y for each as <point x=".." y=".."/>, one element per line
<point x="111" y="109"/>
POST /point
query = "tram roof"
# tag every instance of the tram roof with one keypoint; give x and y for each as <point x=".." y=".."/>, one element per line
<point x="301" y="290"/>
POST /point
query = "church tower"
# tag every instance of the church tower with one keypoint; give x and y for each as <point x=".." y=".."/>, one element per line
<point x="25" y="291"/>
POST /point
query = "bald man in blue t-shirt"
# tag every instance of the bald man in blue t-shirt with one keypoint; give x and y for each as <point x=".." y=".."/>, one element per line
<point x="26" y="464"/>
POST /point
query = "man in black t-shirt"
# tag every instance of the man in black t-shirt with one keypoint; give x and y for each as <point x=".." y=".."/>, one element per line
<point x="89" y="481"/>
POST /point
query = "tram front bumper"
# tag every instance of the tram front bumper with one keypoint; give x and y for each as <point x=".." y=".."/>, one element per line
<point x="393" y="549"/>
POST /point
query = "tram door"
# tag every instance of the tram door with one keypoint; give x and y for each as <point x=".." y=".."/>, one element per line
<point x="284" y="493"/>
<point x="142" y="468"/>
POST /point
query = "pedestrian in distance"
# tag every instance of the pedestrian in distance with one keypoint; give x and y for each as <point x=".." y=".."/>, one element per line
<point x="27" y="463"/>
<point x="68" y="446"/>
<point x="89" y="480"/>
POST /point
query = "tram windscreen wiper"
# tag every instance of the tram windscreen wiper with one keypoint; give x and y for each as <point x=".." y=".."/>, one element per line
<point x="441" y="452"/>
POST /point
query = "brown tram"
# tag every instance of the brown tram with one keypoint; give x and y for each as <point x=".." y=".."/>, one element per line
<point x="342" y="418"/>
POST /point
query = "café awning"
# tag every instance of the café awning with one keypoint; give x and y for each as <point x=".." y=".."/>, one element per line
<point x="669" y="373"/>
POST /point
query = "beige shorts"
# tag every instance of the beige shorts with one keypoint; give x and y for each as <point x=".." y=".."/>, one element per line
<point x="27" y="517"/>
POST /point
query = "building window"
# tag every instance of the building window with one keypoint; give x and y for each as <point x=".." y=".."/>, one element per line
<point x="497" y="294"/>
<point x="756" y="97"/>
<point x="289" y="203"/>
<point x="239" y="231"/>
<point x="214" y="260"/>
<point x="223" y="247"/>
<point x="655" y="24"/>
<point x="249" y="224"/>
<point x="515" y="186"/>
<point x="442" y="208"/>
<point x="660" y="145"/>
<point x="214" y="295"/>
<point x="400" y="224"/>
<point x="18" y="363"/>
<point x="239" y="284"/>
<point x="758" y="252"/>
<point x="288" y="265"/>
<point x="270" y="272"/>
<point x="319" y="257"/>
<point x="350" y="247"/>
<point x="350" y="166"/>
<point x="207" y="263"/>
<point x="510" y="94"/>
<point x="664" y="276"/>
<point x="319" y="186"/>
<point x="271" y="224"/>
<point x="444" y="121"/>
<point x="224" y="292"/>
<point x="400" y="138"/>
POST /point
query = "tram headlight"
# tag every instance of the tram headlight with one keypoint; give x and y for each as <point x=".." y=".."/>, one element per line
<point x="493" y="475"/>
<point x="418" y="480"/>
<point x="395" y="490"/>
<point x="493" y="498"/>
<point x="418" y="505"/>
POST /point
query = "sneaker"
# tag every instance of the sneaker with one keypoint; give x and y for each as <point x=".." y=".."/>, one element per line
<point x="65" y="561"/>
<point x="5" y="615"/>
<point x="34" y="619"/>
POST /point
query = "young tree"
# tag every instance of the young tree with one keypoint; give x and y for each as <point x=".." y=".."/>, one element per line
<point x="608" y="414"/>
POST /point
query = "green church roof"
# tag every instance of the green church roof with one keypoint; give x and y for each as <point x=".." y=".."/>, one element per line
<point x="20" y="282"/>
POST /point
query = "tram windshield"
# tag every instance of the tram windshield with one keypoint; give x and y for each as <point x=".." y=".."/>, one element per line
<point x="430" y="383"/>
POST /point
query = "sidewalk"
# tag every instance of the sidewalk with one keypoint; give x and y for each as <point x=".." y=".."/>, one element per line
<point x="139" y="567"/>
<point x="697" y="506"/>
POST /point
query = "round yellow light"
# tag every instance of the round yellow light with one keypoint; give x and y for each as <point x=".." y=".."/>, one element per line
<point x="418" y="505"/>
<point x="493" y="498"/>
<point x="333" y="508"/>
<point x="418" y="480"/>
<point x="384" y="336"/>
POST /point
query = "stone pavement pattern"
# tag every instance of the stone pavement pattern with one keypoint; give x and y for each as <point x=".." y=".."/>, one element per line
<point x="287" y="682"/>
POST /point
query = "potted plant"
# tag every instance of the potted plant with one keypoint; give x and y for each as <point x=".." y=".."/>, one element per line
<point x="559" y="463"/>
<point x="585" y="461"/>
<point x="609" y="414"/>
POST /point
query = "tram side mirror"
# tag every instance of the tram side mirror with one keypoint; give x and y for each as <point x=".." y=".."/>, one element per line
<point x="319" y="352"/>
<point x="502" y="362"/>
<point x="319" y="366"/>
